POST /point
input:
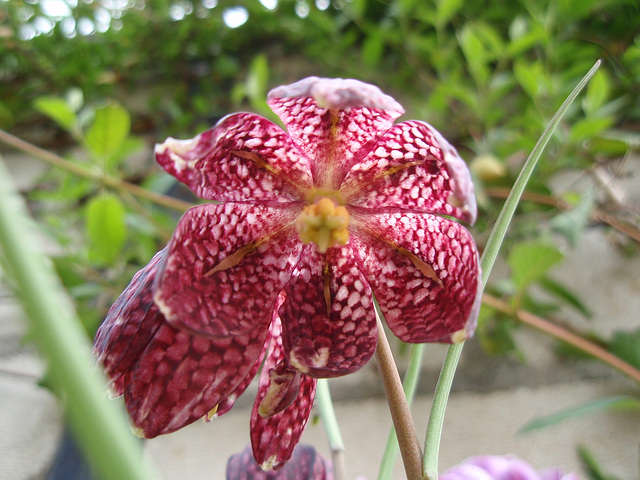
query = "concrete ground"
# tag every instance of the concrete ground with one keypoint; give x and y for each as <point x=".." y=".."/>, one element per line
<point x="492" y="399"/>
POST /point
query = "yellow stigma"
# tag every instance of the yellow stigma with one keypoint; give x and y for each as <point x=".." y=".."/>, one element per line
<point x="324" y="223"/>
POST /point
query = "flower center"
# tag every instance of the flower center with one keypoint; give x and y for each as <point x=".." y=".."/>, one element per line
<point x="324" y="223"/>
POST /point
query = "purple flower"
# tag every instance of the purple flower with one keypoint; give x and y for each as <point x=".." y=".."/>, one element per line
<point x="305" y="464"/>
<point x="311" y="224"/>
<point x="505" y="467"/>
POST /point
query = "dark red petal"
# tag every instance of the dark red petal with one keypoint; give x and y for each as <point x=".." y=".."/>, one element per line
<point x="273" y="439"/>
<point x="274" y="332"/>
<point x="305" y="464"/>
<point x="129" y="326"/>
<point x="169" y="377"/>
<point x="329" y="326"/>
<point x="180" y="377"/>
<point x="245" y="157"/>
<point x="225" y="267"/>
<point x="332" y="119"/>
<point x="424" y="272"/>
<point x="412" y="167"/>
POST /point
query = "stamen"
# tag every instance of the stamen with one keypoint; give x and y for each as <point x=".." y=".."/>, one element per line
<point x="324" y="223"/>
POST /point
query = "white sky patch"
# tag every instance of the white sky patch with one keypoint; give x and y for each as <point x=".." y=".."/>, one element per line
<point x="85" y="26"/>
<point x="302" y="9"/>
<point x="269" y="4"/>
<point x="235" y="16"/>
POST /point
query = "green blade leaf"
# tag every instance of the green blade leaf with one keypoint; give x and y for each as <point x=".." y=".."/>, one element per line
<point x="109" y="130"/>
<point x="621" y="402"/>
<point x="106" y="228"/>
<point x="530" y="262"/>
<point x="563" y="293"/>
<point x="441" y="395"/>
<point x="626" y="345"/>
<point x="446" y="9"/>
<point x="58" y="110"/>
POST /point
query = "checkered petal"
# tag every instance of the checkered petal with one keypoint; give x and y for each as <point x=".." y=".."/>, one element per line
<point x="328" y="314"/>
<point x="412" y="167"/>
<point x="274" y="437"/>
<point x="169" y="377"/>
<point x="331" y="120"/>
<point x="225" y="267"/>
<point x="424" y="272"/>
<point x="245" y="157"/>
<point x="129" y="326"/>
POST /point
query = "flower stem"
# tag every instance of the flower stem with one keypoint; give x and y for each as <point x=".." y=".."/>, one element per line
<point x="99" y="425"/>
<point x="443" y="389"/>
<point x="400" y="414"/>
<point x="100" y="177"/>
<point x="410" y="384"/>
<point x="330" y="422"/>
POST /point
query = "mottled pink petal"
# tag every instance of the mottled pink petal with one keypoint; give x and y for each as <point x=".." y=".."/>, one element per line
<point x="180" y="377"/>
<point x="225" y="267"/>
<point x="228" y="401"/>
<point x="412" y="167"/>
<point x="274" y="438"/>
<point x="245" y="157"/>
<point x="328" y="318"/>
<point x="424" y="272"/>
<point x="169" y="378"/>
<point x="129" y="326"/>
<point x="305" y="464"/>
<point x="333" y="119"/>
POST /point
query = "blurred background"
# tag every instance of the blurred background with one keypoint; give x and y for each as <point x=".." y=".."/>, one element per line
<point x="97" y="82"/>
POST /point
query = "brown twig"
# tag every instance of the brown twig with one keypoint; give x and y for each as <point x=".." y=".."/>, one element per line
<point x="59" y="162"/>
<point x="400" y="414"/>
<point x="565" y="335"/>
<point x="597" y="215"/>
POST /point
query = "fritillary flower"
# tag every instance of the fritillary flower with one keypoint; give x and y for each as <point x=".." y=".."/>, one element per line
<point x="309" y="226"/>
<point x="502" y="467"/>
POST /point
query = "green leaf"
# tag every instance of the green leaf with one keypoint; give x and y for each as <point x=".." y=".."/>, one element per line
<point x="589" y="127"/>
<point x="591" y="467"/>
<point x="597" y="92"/>
<point x="109" y="130"/>
<point x="563" y="293"/>
<point x="58" y="110"/>
<point x="475" y="54"/>
<point x="621" y="402"/>
<point x="531" y="261"/>
<point x="626" y="345"/>
<point x="105" y="223"/>
<point x="572" y="223"/>
<point x="445" y="10"/>
<point x="372" y="49"/>
<point x="528" y="76"/>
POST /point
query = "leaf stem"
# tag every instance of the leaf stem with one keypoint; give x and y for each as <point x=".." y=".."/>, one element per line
<point x="99" y="425"/>
<point x="566" y="336"/>
<point x="400" y="414"/>
<point x="100" y="177"/>
<point x="330" y="422"/>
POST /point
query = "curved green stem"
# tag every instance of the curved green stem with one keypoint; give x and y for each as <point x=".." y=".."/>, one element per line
<point x="99" y="425"/>
<point x="330" y="422"/>
<point x="441" y="396"/>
